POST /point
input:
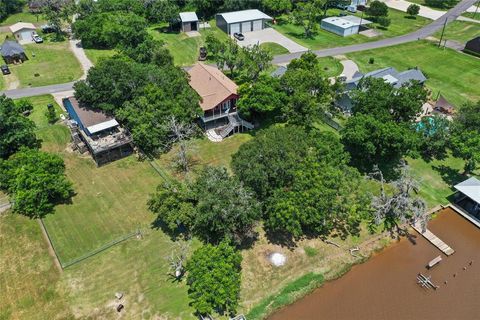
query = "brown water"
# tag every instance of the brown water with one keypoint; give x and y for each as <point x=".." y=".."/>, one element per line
<point x="385" y="286"/>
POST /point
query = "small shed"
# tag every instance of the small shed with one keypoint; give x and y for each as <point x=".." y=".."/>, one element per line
<point x="23" y="32"/>
<point x="443" y="106"/>
<point x="12" y="52"/>
<point x="242" y="21"/>
<point x="344" y="26"/>
<point x="473" y="46"/>
<point x="189" y="21"/>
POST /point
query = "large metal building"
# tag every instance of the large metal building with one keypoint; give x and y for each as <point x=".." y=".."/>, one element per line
<point x="242" y="21"/>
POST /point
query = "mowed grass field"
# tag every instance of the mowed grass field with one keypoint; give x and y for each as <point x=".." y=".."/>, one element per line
<point x="401" y="24"/>
<point x="455" y="75"/>
<point x="185" y="49"/>
<point x="460" y="31"/>
<point x="110" y="201"/>
<point x="48" y="63"/>
<point x="29" y="281"/>
<point x="95" y="55"/>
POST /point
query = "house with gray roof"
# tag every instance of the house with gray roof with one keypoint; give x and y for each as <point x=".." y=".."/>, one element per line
<point x="12" y="52"/>
<point x="389" y="75"/>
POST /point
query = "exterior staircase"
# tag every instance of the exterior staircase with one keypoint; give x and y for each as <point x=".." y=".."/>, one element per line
<point x="234" y="121"/>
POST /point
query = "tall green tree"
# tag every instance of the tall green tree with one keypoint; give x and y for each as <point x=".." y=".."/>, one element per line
<point x="307" y="15"/>
<point x="261" y="98"/>
<point x="379" y="98"/>
<point x="377" y="10"/>
<point x="36" y="181"/>
<point x="214" y="279"/>
<point x="465" y="139"/>
<point x="9" y="7"/>
<point x="435" y="137"/>
<point x="373" y="141"/>
<point x="16" y="130"/>
<point x="225" y="209"/>
<point x="161" y="10"/>
<point x="107" y="30"/>
<point x="323" y="197"/>
<point x="309" y="91"/>
<point x="174" y="207"/>
<point x="58" y="14"/>
<point x="256" y="60"/>
<point x="413" y="10"/>
<point x="277" y="7"/>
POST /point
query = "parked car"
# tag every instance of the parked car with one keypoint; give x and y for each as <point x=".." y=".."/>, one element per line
<point x="47" y="28"/>
<point x="5" y="69"/>
<point x="203" y="54"/>
<point x="37" y="38"/>
<point x="239" y="36"/>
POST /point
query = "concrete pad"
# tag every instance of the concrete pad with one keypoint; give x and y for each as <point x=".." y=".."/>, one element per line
<point x="425" y="12"/>
<point x="58" y="97"/>
<point x="371" y="33"/>
<point x="270" y="35"/>
<point x="192" y="34"/>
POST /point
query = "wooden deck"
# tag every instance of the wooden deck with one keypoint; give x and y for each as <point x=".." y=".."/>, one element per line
<point x="437" y="242"/>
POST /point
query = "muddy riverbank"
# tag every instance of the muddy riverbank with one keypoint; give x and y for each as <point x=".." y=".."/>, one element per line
<point x="385" y="286"/>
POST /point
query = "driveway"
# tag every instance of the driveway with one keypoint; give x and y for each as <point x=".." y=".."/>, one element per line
<point x="270" y="35"/>
<point x="349" y="68"/>
<point x="425" y="11"/>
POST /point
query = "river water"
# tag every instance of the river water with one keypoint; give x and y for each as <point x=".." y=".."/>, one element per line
<point x="385" y="286"/>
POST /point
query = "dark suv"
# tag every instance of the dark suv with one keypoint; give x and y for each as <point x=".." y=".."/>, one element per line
<point x="5" y="69"/>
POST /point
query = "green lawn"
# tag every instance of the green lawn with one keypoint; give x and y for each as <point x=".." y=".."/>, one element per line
<point x="184" y="49"/>
<point x="110" y="201"/>
<point x="23" y="17"/>
<point x="331" y="66"/>
<point x="95" y="54"/>
<point x="436" y="178"/>
<point x="460" y="31"/>
<point x="29" y="281"/>
<point x="324" y="39"/>
<point x="205" y="152"/>
<point x="472" y="15"/>
<point x="49" y="63"/>
<point x="452" y="74"/>
<point x="274" y="48"/>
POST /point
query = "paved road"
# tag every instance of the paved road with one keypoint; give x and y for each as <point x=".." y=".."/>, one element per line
<point x="282" y="59"/>
<point x="38" y="91"/>
<point x="419" y="34"/>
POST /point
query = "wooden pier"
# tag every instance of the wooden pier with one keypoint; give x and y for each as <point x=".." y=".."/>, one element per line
<point x="437" y="242"/>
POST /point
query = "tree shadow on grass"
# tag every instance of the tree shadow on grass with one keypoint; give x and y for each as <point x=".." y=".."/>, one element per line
<point x="449" y="175"/>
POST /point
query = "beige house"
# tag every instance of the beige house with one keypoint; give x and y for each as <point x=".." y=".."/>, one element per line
<point x="23" y="32"/>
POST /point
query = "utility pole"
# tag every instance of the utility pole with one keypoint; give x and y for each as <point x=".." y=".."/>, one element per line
<point x="443" y="32"/>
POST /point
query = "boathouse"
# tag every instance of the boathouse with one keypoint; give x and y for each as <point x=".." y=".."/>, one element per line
<point x="468" y="198"/>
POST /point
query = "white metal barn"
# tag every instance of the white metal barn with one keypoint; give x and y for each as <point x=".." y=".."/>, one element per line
<point x="343" y="26"/>
<point x="242" y="21"/>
